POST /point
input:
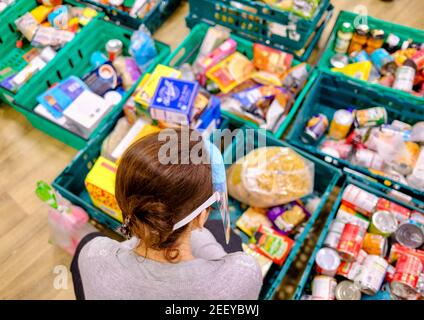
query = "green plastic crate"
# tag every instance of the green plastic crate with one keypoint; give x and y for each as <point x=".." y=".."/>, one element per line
<point x="10" y="55"/>
<point x="329" y="93"/>
<point x="258" y="20"/>
<point x="367" y="185"/>
<point x="153" y="20"/>
<point x="75" y="60"/>
<point x="403" y="32"/>
<point x="326" y="178"/>
<point x="70" y="182"/>
<point x="187" y="53"/>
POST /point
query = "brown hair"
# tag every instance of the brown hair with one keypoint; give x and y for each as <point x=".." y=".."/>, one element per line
<point x="154" y="196"/>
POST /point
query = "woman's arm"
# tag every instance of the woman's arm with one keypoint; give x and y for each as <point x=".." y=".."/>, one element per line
<point x="205" y="246"/>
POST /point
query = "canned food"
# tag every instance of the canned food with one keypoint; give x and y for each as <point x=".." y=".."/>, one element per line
<point x="327" y="262"/>
<point x="420" y="285"/>
<point x="372" y="274"/>
<point x="398" y="250"/>
<point x="341" y="124"/>
<point x="332" y="240"/>
<point x="360" y="56"/>
<point x="114" y="48"/>
<point x="350" y="242"/>
<point x="347" y="290"/>
<point x="384" y="223"/>
<point x="359" y="200"/>
<point x="380" y="58"/>
<point x="339" y="60"/>
<point x="371" y="117"/>
<point x="349" y="270"/>
<point x="404" y="78"/>
<point x="315" y="128"/>
<point x="323" y="288"/>
<point x="417" y="217"/>
<point x="337" y="226"/>
<point x="361" y="256"/>
<point x="369" y="159"/>
<point x="410" y="234"/>
<point x="401" y="213"/>
<point x="375" y="244"/>
<point x="418" y="59"/>
<point x="390" y="272"/>
<point x="348" y="215"/>
<point x="405" y="279"/>
<point x="338" y="149"/>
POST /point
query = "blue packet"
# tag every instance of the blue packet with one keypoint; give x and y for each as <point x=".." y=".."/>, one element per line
<point x="210" y="118"/>
<point x="58" y="98"/>
<point x="173" y="100"/>
<point x="142" y="48"/>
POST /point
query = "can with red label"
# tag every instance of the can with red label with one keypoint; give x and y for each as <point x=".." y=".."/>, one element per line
<point x="360" y="200"/>
<point x="350" y="242"/>
<point x="361" y="256"/>
<point x="390" y="272"/>
<point x="323" y="288"/>
<point x="349" y="270"/>
<point x="401" y="213"/>
<point x="372" y="274"/>
<point x="405" y="279"/>
<point x="327" y="261"/>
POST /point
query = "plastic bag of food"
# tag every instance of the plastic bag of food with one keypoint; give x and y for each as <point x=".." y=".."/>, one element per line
<point x="270" y="176"/>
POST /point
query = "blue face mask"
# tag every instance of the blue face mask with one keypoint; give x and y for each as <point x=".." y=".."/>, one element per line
<point x="220" y="195"/>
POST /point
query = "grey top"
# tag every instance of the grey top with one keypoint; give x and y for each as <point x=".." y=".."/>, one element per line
<point x="112" y="270"/>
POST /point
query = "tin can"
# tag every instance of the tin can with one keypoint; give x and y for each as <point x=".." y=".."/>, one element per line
<point x="327" y="262"/>
<point x="114" y="48"/>
<point x="339" y="60"/>
<point x="420" y="285"/>
<point x="380" y="58"/>
<point x="418" y="59"/>
<point x="350" y="242"/>
<point x="337" y="226"/>
<point x="417" y="217"/>
<point x="405" y="279"/>
<point x="315" y="128"/>
<point x="332" y="240"/>
<point x="409" y="234"/>
<point x="372" y="274"/>
<point x="341" y="124"/>
<point x="390" y="273"/>
<point x="371" y="117"/>
<point x="361" y="256"/>
<point x="404" y="78"/>
<point x="348" y="215"/>
<point x="347" y="290"/>
<point x="338" y="149"/>
<point x="375" y="244"/>
<point x="360" y="56"/>
<point x="359" y="200"/>
<point x="383" y="223"/>
<point x="401" y="213"/>
<point x="349" y="270"/>
<point x="323" y="288"/>
<point x="398" y="250"/>
<point x="369" y="159"/>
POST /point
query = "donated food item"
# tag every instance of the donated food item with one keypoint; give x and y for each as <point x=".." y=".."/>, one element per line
<point x="114" y="49"/>
<point x="121" y="129"/>
<point x="266" y="78"/>
<point x="264" y="262"/>
<point x="295" y="77"/>
<point x="405" y="280"/>
<point x="406" y="158"/>
<point x="327" y="261"/>
<point x="146" y="90"/>
<point x="278" y="110"/>
<point x="173" y="100"/>
<point x="416" y="178"/>
<point x="350" y="243"/>
<point x="401" y="213"/>
<point x="231" y="71"/>
<point x="349" y="270"/>
<point x="341" y="124"/>
<point x="59" y="17"/>
<point x="323" y="288"/>
<point x="271" y="60"/>
<point x="18" y="80"/>
<point x="251" y="219"/>
<point x="358" y="70"/>
<point x="87" y="111"/>
<point x="372" y="274"/>
<point x="40" y="13"/>
<point x="142" y="47"/>
<point x="100" y="184"/>
<point x="383" y="223"/>
<point x="410" y="234"/>
<point x="398" y="250"/>
<point x="371" y="117"/>
<point x="213" y="38"/>
<point x="48" y="36"/>
<point x="417" y="133"/>
<point x="337" y="148"/>
<point x="27" y="25"/>
<point x="375" y="244"/>
<point x="272" y="244"/>
<point x="103" y="79"/>
<point x="347" y="290"/>
<point x="270" y="176"/>
<point x="288" y="216"/>
<point x="348" y="215"/>
<point x="315" y="128"/>
<point x="359" y="200"/>
<point x="225" y="49"/>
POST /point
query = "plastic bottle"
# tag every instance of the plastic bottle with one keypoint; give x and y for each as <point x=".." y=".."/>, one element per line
<point x="344" y="36"/>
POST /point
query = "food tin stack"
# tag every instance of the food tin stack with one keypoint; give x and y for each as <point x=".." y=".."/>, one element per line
<point x="377" y="54"/>
<point x="364" y="129"/>
<point x="371" y="248"/>
<point x="293" y="26"/>
<point x="258" y="86"/>
<point x="133" y="13"/>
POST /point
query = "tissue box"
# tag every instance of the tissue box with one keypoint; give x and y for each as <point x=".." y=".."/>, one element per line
<point x="173" y="100"/>
<point x="100" y="184"/>
<point x="86" y="111"/>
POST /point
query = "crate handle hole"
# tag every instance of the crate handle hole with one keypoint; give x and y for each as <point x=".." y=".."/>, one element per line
<point x="70" y="63"/>
<point x="48" y="84"/>
<point x="80" y="53"/>
<point x="59" y="75"/>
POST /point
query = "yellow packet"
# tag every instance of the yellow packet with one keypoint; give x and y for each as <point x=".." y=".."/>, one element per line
<point x="251" y="219"/>
<point x="266" y="78"/>
<point x="359" y="70"/>
<point x="40" y="13"/>
<point x="145" y="95"/>
<point x="231" y="71"/>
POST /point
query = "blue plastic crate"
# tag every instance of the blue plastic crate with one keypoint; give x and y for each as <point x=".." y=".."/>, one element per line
<point x="326" y="178"/>
<point x="329" y="93"/>
<point x="367" y="185"/>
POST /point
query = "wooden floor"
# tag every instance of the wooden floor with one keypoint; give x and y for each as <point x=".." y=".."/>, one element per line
<point x="27" y="260"/>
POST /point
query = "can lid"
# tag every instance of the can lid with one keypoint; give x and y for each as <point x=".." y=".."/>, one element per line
<point x="348" y="290"/>
<point x="409" y="235"/>
<point x="346" y="27"/>
<point x="362" y="29"/>
<point x="377" y="33"/>
<point x="385" y="221"/>
<point x="328" y="259"/>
